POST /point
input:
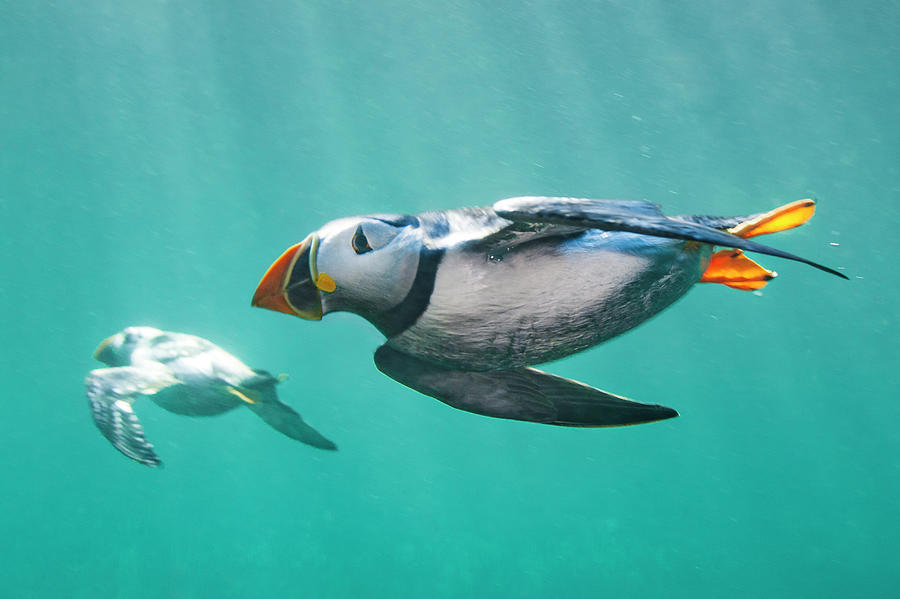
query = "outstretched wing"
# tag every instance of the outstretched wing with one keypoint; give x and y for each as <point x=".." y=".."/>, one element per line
<point x="260" y="389"/>
<point x="521" y="394"/>
<point x="634" y="217"/>
<point x="111" y="392"/>
<point x="287" y="421"/>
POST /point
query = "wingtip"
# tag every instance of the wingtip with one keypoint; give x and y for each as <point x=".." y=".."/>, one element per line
<point x="323" y="443"/>
<point x="668" y="413"/>
<point x="659" y="413"/>
<point x="828" y="269"/>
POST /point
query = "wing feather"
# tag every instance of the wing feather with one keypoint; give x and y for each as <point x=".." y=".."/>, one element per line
<point x="111" y="393"/>
<point x="634" y="217"/>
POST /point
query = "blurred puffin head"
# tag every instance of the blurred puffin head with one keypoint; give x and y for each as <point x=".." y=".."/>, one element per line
<point x="117" y="350"/>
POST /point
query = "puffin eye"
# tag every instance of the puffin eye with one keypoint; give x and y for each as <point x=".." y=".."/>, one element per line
<point x="359" y="243"/>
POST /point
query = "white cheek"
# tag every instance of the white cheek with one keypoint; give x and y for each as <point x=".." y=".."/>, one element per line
<point x="336" y="258"/>
<point x="369" y="282"/>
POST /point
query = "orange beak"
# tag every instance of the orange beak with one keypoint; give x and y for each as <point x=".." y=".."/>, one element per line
<point x="103" y="351"/>
<point x="288" y="285"/>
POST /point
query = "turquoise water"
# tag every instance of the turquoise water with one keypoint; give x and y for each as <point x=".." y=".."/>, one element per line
<point x="157" y="156"/>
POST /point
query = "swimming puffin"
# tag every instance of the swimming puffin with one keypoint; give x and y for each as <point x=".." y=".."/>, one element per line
<point x="186" y="375"/>
<point x="470" y="299"/>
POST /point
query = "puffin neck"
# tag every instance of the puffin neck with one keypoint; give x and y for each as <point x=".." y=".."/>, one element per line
<point x="393" y="321"/>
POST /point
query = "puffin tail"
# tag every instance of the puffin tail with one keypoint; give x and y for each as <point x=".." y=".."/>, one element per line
<point x="732" y="267"/>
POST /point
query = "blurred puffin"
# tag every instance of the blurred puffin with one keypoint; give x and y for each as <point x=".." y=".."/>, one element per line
<point x="186" y="375"/>
<point x="470" y="298"/>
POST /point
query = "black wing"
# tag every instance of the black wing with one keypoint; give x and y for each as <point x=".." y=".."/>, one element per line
<point x="634" y="217"/>
<point x="277" y="414"/>
<point x="111" y="392"/>
<point x="521" y="394"/>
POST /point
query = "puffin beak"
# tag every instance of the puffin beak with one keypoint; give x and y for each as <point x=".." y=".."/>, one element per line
<point x="293" y="284"/>
<point x="103" y="353"/>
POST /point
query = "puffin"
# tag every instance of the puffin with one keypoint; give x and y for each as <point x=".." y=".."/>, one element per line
<point x="470" y="299"/>
<point x="183" y="374"/>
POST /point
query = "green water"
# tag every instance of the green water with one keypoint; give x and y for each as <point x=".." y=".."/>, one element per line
<point x="156" y="156"/>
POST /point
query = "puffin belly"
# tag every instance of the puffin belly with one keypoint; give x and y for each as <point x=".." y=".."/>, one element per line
<point x="194" y="400"/>
<point x="548" y="300"/>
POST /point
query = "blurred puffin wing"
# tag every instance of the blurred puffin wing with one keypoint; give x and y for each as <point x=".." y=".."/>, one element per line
<point x="287" y="421"/>
<point x="521" y="394"/>
<point x="279" y="415"/>
<point x="643" y="218"/>
<point x="111" y="392"/>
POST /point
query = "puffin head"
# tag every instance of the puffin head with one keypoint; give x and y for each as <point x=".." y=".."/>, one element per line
<point x="117" y="350"/>
<point x="362" y="264"/>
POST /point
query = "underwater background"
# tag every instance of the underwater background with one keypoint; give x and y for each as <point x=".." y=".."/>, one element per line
<point x="156" y="157"/>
